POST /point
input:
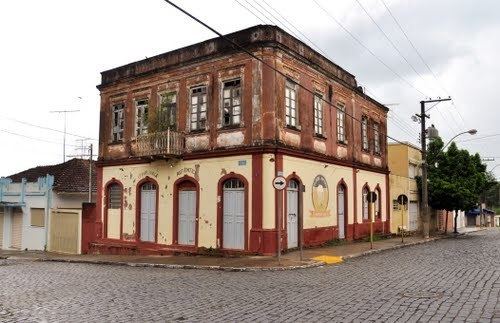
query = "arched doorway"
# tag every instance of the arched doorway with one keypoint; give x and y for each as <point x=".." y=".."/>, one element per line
<point x="187" y="213"/>
<point x="233" y="215"/>
<point x="292" y="192"/>
<point x="341" y="210"/>
<point x="148" y="198"/>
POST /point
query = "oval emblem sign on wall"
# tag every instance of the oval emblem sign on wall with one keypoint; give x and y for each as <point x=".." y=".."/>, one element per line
<point x="320" y="196"/>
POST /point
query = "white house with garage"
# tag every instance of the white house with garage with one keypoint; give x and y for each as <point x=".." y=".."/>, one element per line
<point x="40" y="208"/>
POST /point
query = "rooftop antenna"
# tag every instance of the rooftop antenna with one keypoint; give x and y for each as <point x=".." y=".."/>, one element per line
<point x="65" y="112"/>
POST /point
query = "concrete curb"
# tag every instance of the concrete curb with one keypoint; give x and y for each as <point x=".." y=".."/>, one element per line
<point x="312" y="264"/>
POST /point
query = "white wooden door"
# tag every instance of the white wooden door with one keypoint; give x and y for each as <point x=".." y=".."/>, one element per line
<point x="341" y="211"/>
<point x="292" y="214"/>
<point x="413" y="216"/>
<point x="233" y="231"/>
<point x="17" y="229"/>
<point x="148" y="212"/>
<point x="187" y="217"/>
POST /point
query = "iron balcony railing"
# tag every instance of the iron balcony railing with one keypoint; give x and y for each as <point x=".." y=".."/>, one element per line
<point x="164" y="143"/>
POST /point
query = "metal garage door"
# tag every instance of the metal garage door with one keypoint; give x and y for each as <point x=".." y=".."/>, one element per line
<point x="187" y="217"/>
<point x="1" y="228"/>
<point x="233" y="232"/>
<point x="17" y="228"/>
<point x="64" y="232"/>
<point x="413" y="216"/>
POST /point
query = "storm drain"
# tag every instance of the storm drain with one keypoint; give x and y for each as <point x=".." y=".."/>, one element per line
<point x="422" y="295"/>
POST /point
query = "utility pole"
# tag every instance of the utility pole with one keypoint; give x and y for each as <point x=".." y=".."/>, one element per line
<point x="425" y="216"/>
<point x="65" y="112"/>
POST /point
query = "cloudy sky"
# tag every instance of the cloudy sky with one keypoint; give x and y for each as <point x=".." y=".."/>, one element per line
<point x="53" y="51"/>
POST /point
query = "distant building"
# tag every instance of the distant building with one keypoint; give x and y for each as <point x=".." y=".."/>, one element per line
<point x="40" y="208"/>
<point x="405" y="162"/>
<point x="190" y="142"/>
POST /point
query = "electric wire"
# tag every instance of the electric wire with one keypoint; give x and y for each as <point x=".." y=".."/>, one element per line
<point x="421" y="57"/>
<point x="250" y="11"/>
<point x="390" y="41"/>
<point x="36" y="139"/>
<point x="47" y="128"/>
<point x="368" y="49"/>
<point x="233" y="43"/>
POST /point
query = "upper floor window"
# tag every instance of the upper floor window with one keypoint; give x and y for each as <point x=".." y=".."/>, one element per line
<point x="141" y="117"/>
<point x="231" y="103"/>
<point x="291" y="104"/>
<point x="341" y="122"/>
<point x="118" y="122"/>
<point x="318" y="115"/>
<point x="167" y="114"/>
<point x="376" y="138"/>
<point x="198" y="108"/>
<point x="412" y="170"/>
<point x="364" y="133"/>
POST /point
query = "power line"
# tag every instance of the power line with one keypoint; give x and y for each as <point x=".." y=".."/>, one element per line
<point x="236" y="45"/>
<point x="47" y="128"/>
<point x="420" y="56"/>
<point x="33" y="138"/>
<point x="389" y="40"/>
<point x="251" y="12"/>
<point x="480" y="138"/>
<point x="368" y="49"/>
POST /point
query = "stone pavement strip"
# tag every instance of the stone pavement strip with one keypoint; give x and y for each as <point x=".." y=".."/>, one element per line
<point x="311" y="258"/>
<point x="449" y="280"/>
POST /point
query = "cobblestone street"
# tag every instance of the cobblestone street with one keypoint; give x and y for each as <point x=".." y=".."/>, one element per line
<point x="447" y="280"/>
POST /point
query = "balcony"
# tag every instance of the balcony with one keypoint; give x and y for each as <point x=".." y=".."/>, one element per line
<point x="160" y="144"/>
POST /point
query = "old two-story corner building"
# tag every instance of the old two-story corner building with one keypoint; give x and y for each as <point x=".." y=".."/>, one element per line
<point x="190" y="141"/>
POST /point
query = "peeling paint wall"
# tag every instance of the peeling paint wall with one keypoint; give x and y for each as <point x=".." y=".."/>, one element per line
<point x="307" y="171"/>
<point x="206" y="171"/>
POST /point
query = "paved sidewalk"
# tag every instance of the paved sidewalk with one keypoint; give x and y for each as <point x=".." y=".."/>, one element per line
<point x="312" y="257"/>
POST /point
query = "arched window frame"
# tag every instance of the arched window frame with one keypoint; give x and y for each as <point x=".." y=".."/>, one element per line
<point x="112" y="182"/>
<point x="138" y="190"/>
<point x="365" y="211"/>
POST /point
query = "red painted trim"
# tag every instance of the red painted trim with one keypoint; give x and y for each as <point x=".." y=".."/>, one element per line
<point x="292" y="177"/>
<point x="278" y="167"/>
<point x="143" y="181"/>
<point x="257" y="186"/>
<point x="220" y="207"/>
<point x="346" y="207"/>
<point x="185" y="183"/>
<point x="106" y="197"/>
<point x="99" y="215"/>
<point x="355" y="194"/>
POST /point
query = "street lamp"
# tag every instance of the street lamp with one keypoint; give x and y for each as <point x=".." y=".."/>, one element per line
<point x="471" y="132"/>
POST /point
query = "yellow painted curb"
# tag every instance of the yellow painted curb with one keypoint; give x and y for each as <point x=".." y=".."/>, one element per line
<point x="328" y="259"/>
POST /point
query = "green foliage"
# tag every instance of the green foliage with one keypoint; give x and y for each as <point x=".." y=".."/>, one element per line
<point x="456" y="178"/>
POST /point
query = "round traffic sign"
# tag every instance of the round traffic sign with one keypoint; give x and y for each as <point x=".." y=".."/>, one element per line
<point x="279" y="183"/>
<point x="372" y="197"/>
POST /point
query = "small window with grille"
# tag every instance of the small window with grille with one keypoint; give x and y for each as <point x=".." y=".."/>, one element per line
<point x="231" y="103"/>
<point x="114" y="196"/>
<point x="198" y="108"/>
<point x="233" y="184"/>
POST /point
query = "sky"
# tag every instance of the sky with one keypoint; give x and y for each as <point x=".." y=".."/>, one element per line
<point x="53" y="51"/>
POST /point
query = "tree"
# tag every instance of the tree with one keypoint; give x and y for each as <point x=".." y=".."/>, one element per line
<point x="456" y="178"/>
